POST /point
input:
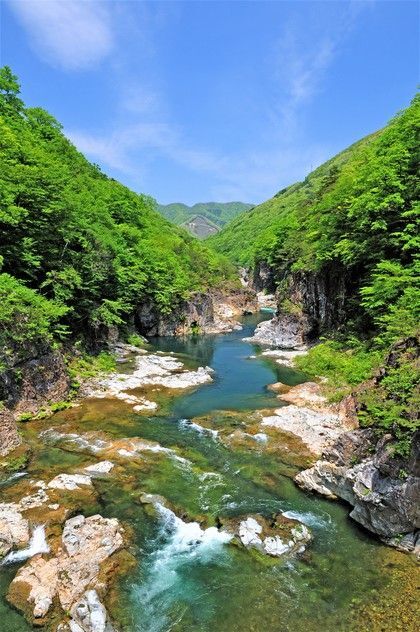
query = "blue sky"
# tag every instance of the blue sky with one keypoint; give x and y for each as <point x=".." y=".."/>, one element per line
<point x="199" y="101"/>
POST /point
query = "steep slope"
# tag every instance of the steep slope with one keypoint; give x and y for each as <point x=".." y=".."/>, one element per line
<point x="218" y="213"/>
<point x="78" y="249"/>
<point x="83" y="261"/>
<point x="347" y="234"/>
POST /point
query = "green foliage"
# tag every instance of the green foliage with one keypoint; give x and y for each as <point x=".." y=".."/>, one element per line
<point x="84" y="250"/>
<point x="25" y="315"/>
<point x="342" y="367"/>
<point x="86" y="366"/>
<point x="135" y="340"/>
<point x="64" y="405"/>
<point x="394" y="404"/>
<point x="16" y="463"/>
<point x="26" y="417"/>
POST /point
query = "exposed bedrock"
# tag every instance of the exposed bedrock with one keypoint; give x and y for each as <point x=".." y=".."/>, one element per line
<point x="309" y="303"/>
<point x="383" y="489"/>
<point x="212" y="312"/>
<point x="72" y="577"/>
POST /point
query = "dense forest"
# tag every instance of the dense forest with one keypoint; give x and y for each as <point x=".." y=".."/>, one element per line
<point x="351" y="226"/>
<point x="220" y="213"/>
<point x="78" y="250"/>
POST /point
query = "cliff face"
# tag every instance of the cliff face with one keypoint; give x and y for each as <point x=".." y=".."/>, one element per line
<point x="26" y="386"/>
<point x="35" y="378"/>
<point x="383" y="490"/>
<point x="308" y="304"/>
<point x="212" y="312"/>
<point x="365" y="468"/>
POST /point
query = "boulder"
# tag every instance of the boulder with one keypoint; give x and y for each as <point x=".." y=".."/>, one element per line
<point x="14" y="528"/>
<point x="276" y="537"/>
<point x="89" y="614"/>
<point x="287" y="331"/>
<point x="86" y="543"/>
<point x="385" y="498"/>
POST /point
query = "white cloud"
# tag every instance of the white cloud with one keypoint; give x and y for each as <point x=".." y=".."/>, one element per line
<point x="70" y="34"/>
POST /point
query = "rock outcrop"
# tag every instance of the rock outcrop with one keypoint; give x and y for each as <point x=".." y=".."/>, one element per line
<point x="32" y="381"/>
<point x="72" y="577"/>
<point x="213" y="312"/>
<point x="383" y="489"/>
<point x="9" y="436"/>
<point x="309" y="417"/>
<point x="150" y="370"/>
<point x="277" y="537"/>
<point x="14" y="528"/>
<point x="287" y="331"/>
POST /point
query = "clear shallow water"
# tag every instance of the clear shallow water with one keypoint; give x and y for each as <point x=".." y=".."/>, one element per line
<point x="188" y="578"/>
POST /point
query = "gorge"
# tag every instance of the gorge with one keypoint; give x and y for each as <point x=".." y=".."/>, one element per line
<point x="181" y="420"/>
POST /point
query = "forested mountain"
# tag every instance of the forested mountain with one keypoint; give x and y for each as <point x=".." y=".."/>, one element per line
<point x="220" y="213"/>
<point x="78" y="250"/>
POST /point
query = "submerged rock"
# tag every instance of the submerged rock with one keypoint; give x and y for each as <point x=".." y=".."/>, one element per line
<point x="86" y="543"/>
<point x="69" y="482"/>
<point x="276" y="537"/>
<point x="102" y="467"/>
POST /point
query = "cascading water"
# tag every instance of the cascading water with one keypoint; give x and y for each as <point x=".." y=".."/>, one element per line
<point x="37" y="544"/>
<point x="178" y="544"/>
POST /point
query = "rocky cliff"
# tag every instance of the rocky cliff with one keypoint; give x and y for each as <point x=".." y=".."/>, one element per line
<point x="212" y="312"/>
<point x="367" y="467"/>
<point x="33" y="378"/>
<point x="384" y="490"/>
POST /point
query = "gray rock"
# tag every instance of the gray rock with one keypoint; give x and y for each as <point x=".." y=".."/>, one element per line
<point x="386" y="505"/>
<point x="287" y="331"/>
<point x="90" y="615"/>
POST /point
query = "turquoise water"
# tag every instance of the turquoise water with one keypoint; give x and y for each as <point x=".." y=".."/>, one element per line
<point x="186" y="577"/>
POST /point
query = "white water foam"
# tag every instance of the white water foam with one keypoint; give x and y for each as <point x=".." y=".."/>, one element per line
<point x="188" y="538"/>
<point x="188" y="424"/>
<point x="181" y="544"/>
<point x="309" y="518"/>
<point x="37" y="544"/>
<point x="12" y="477"/>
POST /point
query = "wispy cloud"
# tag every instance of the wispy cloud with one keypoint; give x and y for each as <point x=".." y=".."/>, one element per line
<point x="301" y="59"/>
<point x="69" y="34"/>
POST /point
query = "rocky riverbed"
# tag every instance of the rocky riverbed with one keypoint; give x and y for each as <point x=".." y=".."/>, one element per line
<point x="179" y="495"/>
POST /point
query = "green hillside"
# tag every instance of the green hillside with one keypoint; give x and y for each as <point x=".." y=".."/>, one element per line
<point x="357" y="215"/>
<point x="220" y="213"/>
<point x="78" y="250"/>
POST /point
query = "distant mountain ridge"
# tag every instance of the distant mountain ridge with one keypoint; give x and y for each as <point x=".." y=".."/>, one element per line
<point x="217" y="213"/>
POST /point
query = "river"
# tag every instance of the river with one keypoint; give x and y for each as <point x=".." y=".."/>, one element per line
<point x="187" y="577"/>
